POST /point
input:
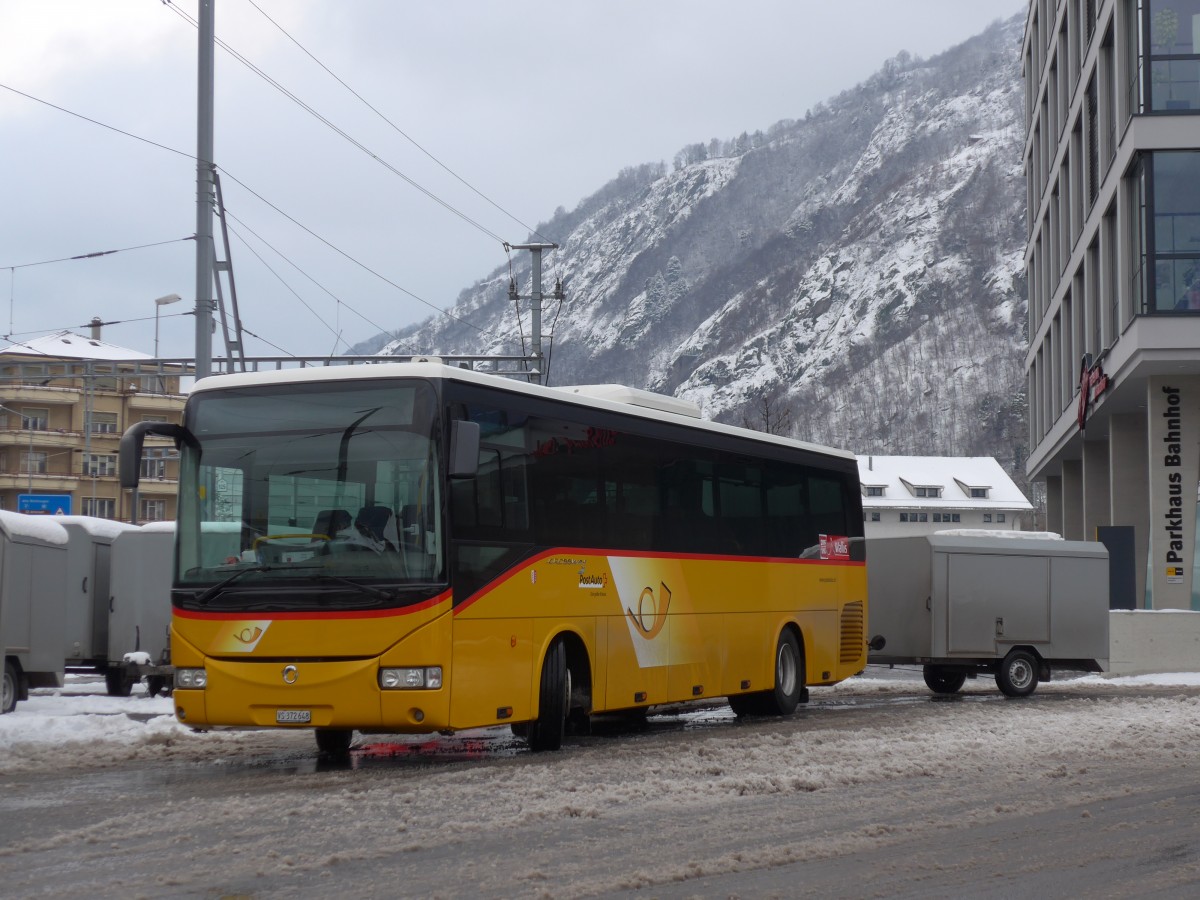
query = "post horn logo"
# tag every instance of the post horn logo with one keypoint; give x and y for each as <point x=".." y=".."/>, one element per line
<point x="651" y="613"/>
<point x="248" y="635"/>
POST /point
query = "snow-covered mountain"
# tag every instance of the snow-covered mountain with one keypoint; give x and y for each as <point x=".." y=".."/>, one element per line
<point x="854" y="277"/>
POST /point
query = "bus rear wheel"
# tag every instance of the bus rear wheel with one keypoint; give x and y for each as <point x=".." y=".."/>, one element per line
<point x="546" y="731"/>
<point x="783" y="699"/>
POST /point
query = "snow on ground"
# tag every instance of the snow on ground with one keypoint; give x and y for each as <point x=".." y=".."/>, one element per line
<point x="60" y="728"/>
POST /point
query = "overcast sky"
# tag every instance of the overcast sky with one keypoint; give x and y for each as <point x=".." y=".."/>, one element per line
<point x="532" y="106"/>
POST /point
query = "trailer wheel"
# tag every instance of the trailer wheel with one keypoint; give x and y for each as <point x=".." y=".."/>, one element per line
<point x="118" y="683"/>
<point x="942" y="680"/>
<point x="334" y="742"/>
<point x="8" y="695"/>
<point x="546" y="731"/>
<point x="1018" y="674"/>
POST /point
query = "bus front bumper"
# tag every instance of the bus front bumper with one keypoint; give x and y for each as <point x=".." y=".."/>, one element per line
<point x="321" y="694"/>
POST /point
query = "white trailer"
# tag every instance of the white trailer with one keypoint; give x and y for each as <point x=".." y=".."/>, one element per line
<point x="1011" y="606"/>
<point x="88" y="598"/>
<point x="139" y="609"/>
<point x="33" y="579"/>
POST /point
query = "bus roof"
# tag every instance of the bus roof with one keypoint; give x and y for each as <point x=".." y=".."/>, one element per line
<point x="615" y="398"/>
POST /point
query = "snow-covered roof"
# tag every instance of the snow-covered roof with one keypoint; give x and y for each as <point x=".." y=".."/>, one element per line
<point x="900" y="477"/>
<point x="68" y="345"/>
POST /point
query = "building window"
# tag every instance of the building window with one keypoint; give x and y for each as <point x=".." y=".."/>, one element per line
<point x="100" y="507"/>
<point x="104" y="423"/>
<point x="922" y="517"/>
<point x="874" y="490"/>
<point x="154" y="468"/>
<point x="874" y="517"/>
<point x="1173" y="54"/>
<point x="987" y="518"/>
<point x="999" y="517"/>
<point x="957" y="517"/>
<point x="100" y="464"/>
<point x="33" y="462"/>
<point x="1166" y="187"/>
<point x="35" y="419"/>
<point x="927" y="492"/>
<point x="161" y="419"/>
<point x="154" y="510"/>
<point x="903" y="517"/>
<point x="979" y="493"/>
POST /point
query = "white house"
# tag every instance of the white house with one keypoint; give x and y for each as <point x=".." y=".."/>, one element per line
<point x="910" y="495"/>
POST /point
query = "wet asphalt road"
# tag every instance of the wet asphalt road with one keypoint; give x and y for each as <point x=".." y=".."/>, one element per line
<point x="888" y="794"/>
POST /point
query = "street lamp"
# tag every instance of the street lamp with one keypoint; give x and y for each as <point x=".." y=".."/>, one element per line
<point x="158" y="304"/>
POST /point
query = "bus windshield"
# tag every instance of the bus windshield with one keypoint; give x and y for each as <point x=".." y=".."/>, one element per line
<point x="327" y="489"/>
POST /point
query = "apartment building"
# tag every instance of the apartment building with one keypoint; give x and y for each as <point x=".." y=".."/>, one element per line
<point x="65" y="401"/>
<point x="911" y="495"/>
<point x="1112" y="159"/>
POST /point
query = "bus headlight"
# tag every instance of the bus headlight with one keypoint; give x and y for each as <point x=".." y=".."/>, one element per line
<point x="194" y="679"/>
<point x="417" y="678"/>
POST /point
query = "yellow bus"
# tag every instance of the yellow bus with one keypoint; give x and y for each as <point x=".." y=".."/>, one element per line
<point x="415" y="548"/>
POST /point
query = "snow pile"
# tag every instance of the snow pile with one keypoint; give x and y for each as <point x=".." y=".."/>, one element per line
<point x="81" y="725"/>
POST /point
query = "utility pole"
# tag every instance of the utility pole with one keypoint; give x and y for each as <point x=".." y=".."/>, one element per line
<point x="535" y="297"/>
<point x="204" y="188"/>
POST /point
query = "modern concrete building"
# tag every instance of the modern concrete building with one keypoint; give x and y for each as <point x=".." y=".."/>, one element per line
<point x="905" y="496"/>
<point x="65" y="401"/>
<point x="1112" y="160"/>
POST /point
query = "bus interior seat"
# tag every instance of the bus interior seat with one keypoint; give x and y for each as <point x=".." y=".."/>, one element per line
<point x="331" y="521"/>
<point x="379" y="522"/>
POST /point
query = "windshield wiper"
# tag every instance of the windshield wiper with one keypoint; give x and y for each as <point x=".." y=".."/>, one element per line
<point x="380" y="595"/>
<point x="220" y="586"/>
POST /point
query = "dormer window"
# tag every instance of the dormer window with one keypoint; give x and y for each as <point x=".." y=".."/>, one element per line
<point x="928" y="492"/>
<point x="874" y="490"/>
<point x="979" y="493"/>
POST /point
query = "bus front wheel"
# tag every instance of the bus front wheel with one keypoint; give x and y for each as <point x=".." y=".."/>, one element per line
<point x="334" y="742"/>
<point x="546" y="731"/>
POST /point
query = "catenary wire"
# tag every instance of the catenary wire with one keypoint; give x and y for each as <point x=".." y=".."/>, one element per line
<point x="341" y="132"/>
<point x="246" y="187"/>
<point x="397" y="128"/>
<point x="338" y="300"/>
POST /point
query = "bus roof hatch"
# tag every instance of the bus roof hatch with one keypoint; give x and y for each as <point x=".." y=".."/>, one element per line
<point x="619" y="393"/>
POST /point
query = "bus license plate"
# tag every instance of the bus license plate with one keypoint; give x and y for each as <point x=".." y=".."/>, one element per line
<point x="293" y="716"/>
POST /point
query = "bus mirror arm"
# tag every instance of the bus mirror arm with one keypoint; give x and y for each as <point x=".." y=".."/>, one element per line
<point x="464" y="449"/>
<point x="132" y="441"/>
<point x="877" y="643"/>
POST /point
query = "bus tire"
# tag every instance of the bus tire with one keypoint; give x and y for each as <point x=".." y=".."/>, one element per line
<point x="1018" y="674"/>
<point x="789" y="688"/>
<point x="546" y="731"/>
<point x="789" y="676"/>
<point x="942" y="680"/>
<point x="334" y="742"/>
<point x="8" y="693"/>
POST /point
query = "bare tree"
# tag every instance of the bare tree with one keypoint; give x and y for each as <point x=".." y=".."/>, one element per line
<point x="770" y="415"/>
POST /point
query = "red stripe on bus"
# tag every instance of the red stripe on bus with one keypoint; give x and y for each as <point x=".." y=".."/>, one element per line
<point x="643" y="554"/>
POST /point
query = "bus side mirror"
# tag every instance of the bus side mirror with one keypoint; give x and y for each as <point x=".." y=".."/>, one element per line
<point x="132" y="441"/>
<point x="464" y="449"/>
